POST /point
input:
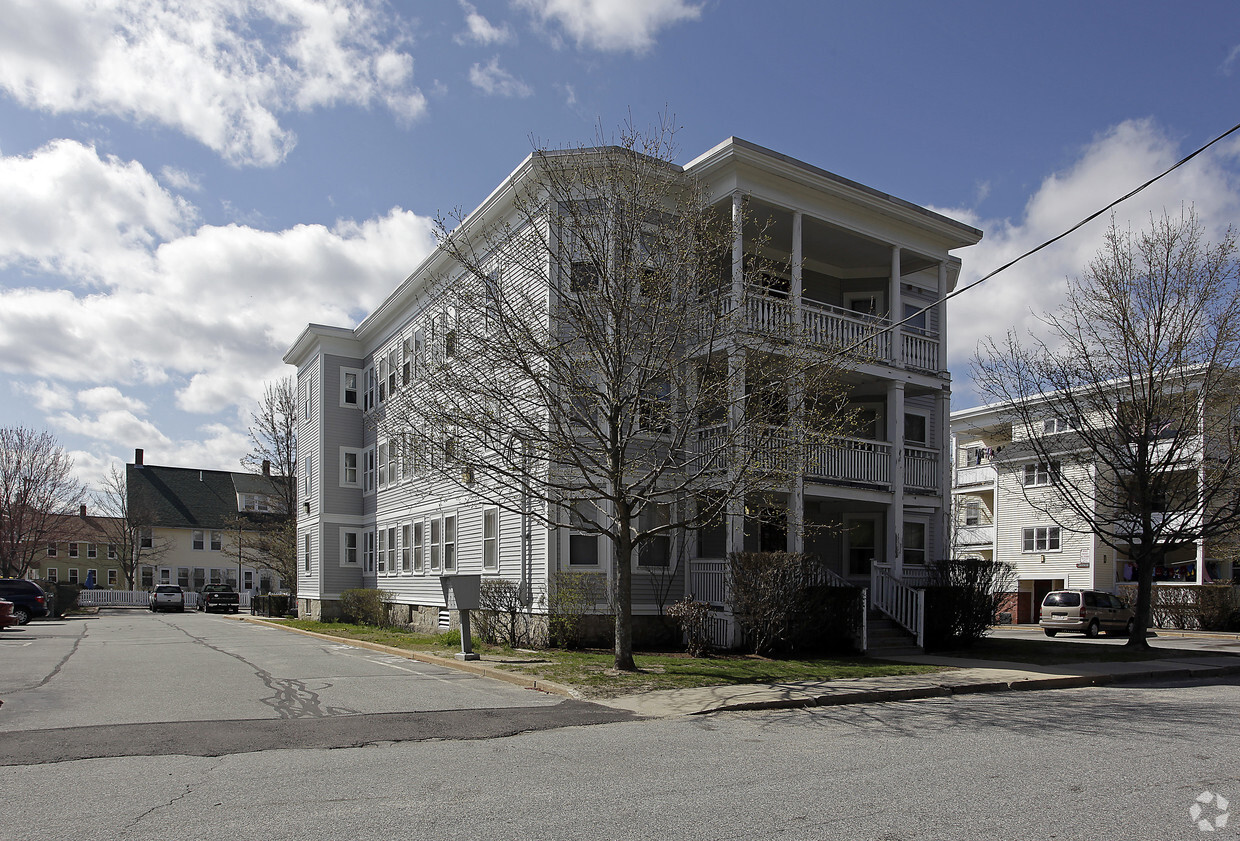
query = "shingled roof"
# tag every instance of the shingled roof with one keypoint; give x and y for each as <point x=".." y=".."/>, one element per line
<point x="183" y="497"/>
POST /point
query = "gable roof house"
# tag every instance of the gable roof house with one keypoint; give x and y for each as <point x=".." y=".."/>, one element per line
<point x="83" y="552"/>
<point x="852" y="257"/>
<point x="195" y="515"/>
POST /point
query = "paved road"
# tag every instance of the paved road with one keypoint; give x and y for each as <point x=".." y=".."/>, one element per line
<point x="135" y="683"/>
<point x="1108" y="762"/>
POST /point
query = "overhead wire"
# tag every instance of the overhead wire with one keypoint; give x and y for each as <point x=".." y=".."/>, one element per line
<point x="1048" y="242"/>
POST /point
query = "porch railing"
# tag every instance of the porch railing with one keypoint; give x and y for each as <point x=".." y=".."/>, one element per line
<point x="839" y="459"/>
<point x="905" y="604"/>
<point x="921" y="468"/>
<point x="708" y="581"/>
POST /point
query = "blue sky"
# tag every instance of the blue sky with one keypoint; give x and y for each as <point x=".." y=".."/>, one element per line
<point x="184" y="185"/>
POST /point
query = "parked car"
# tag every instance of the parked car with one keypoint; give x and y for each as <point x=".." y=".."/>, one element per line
<point x="167" y="597"/>
<point x="6" y="614"/>
<point x="218" y="597"/>
<point x="1087" y="611"/>
<point x="29" y="599"/>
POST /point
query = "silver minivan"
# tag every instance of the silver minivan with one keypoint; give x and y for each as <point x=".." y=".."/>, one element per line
<point x="1087" y="611"/>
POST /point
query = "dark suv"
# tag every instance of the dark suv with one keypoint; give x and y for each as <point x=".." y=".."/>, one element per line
<point x="29" y="600"/>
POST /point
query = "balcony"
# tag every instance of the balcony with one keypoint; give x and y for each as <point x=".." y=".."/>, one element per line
<point x="829" y="326"/>
<point x="839" y="460"/>
<point x="981" y="474"/>
<point x="975" y="537"/>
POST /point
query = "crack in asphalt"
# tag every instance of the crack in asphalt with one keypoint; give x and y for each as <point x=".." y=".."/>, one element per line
<point x="290" y="698"/>
<point x="56" y="670"/>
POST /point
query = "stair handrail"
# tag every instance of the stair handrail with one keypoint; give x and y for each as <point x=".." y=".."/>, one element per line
<point x="905" y="605"/>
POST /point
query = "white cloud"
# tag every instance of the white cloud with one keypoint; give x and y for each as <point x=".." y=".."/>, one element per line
<point x="207" y="312"/>
<point x="481" y="30"/>
<point x="219" y="82"/>
<point x="612" y="25"/>
<point x="1111" y="165"/>
<point x="179" y="179"/>
<point x="493" y="80"/>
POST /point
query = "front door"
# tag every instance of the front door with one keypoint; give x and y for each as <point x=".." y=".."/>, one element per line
<point x="1040" y="589"/>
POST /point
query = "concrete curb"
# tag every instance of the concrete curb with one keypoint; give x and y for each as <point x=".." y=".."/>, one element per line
<point x="471" y="666"/>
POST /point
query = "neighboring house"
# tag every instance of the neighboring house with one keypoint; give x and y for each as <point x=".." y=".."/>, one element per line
<point x="1004" y="509"/>
<point x="367" y="518"/>
<point x="196" y="515"/>
<point x="82" y="554"/>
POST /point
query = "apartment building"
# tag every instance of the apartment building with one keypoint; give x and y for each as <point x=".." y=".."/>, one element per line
<point x="873" y="502"/>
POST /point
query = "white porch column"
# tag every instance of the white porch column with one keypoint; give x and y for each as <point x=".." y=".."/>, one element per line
<point x="895" y="518"/>
<point x="897" y="310"/>
<point x="796" y="394"/>
<point x="738" y="249"/>
<point x="941" y="311"/>
<point x="942" y="517"/>
<point x="735" y="533"/>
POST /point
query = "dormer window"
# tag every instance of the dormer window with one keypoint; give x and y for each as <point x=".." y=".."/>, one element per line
<point x="257" y="503"/>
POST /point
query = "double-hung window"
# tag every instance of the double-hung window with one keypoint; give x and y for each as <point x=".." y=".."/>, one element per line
<point x="199" y="545"/>
<point x="417" y="545"/>
<point x="405" y="547"/>
<point x="349" y="382"/>
<point x="1040" y="539"/>
<point x="449" y="543"/>
<point x="383" y="464"/>
<point x="368" y="469"/>
<point x="490" y="539"/>
<point x="382" y="551"/>
<point x="1040" y="474"/>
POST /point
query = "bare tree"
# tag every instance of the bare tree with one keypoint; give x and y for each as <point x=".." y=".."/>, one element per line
<point x="36" y="485"/>
<point x="273" y="439"/>
<point x="586" y="367"/>
<point x="1129" y="407"/>
<point x="129" y="525"/>
<point x="268" y="539"/>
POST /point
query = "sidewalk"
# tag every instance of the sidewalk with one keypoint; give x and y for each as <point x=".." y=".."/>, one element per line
<point x="965" y="677"/>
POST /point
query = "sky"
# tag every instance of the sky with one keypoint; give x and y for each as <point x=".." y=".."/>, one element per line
<point x="185" y="185"/>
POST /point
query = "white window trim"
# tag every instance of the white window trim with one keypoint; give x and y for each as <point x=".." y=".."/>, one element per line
<point x="849" y="521"/>
<point x="574" y="530"/>
<point x="344" y="548"/>
<point x="356" y="452"/>
<point x="924" y="522"/>
<point x="419" y="547"/>
<point x="1033" y="530"/>
<point x="358" y="385"/>
<point x="491" y="513"/>
<point x="368" y="470"/>
<point x="925" y="416"/>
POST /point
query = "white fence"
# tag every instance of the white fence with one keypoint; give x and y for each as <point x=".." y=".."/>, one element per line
<point x="903" y="603"/>
<point x="140" y="598"/>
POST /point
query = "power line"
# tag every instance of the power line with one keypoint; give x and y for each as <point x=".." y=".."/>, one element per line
<point x="1050" y="241"/>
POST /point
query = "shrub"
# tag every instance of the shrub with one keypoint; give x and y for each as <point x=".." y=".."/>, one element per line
<point x="1207" y="607"/>
<point x="781" y="602"/>
<point x="963" y="598"/>
<point x="572" y="597"/>
<point x="503" y="617"/>
<point x="365" y="607"/>
<point x="692" y="616"/>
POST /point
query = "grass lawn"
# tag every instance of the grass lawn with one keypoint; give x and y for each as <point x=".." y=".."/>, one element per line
<point x="1051" y="652"/>
<point x="591" y="672"/>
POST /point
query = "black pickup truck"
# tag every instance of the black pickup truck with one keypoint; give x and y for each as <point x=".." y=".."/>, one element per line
<point x="219" y="597"/>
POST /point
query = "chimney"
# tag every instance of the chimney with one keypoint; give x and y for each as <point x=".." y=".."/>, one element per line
<point x="266" y="467"/>
<point x="82" y="511"/>
<point x="137" y="457"/>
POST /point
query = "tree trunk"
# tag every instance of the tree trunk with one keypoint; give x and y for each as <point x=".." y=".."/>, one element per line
<point x="623" y="576"/>
<point x="1145" y="591"/>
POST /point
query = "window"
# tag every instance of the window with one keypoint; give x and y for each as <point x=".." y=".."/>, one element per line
<point x="382" y="555"/>
<point x="655" y="552"/>
<point x="73" y="575"/>
<point x="914" y="543"/>
<point x="248" y="579"/>
<point x="393" y="463"/>
<point x="916" y="319"/>
<point x="391" y="549"/>
<point x="1051" y="426"/>
<point x="405" y="547"/>
<point x="309" y="462"/>
<point x="111" y="551"/>
<point x="368" y="401"/>
<point x="449" y="543"/>
<point x="216" y="578"/>
<point x="406" y="361"/>
<point x="436" y="543"/>
<point x="73" y="550"/>
<point x="255" y="502"/>
<point x="92" y="550"/>
<point x="449" y="344"/>
<point x="348" y="468"/>
<point x="368" y="470"/>
<point x="112" y="578"/>
<point x="1040" y="474"/>
<point x="52" y="574"/>
<point x="148" y="577"/>
<point x="306" y="553"/>
<point x="92" y="576"/>
<point x="383" y="464"/>
<point x="915" y="429"/>
<point x="348" y="548"/>
<point x="146" y="538"/>
<point x="417" y="546"/>
<point x="348" y="387"/>
<point x="393" y="364"/>
<point x="383" y="370"/>
<point x="307" y="400"/>
<point x="217" y="541"/>
<point x="368" y="551"/>
<point x="490" y="539"/>
<point x="51" y="550"/>
<point x="199" y="545"/>
<point x="406" y="458"/>
<point x="972" y="513"/>
<point x="1040" y="539"/>
<point x="582" y="548"/>
<point x="583" y="277"/>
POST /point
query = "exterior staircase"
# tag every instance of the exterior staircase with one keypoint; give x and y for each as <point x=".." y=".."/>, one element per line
<point x="886" y="640"/>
